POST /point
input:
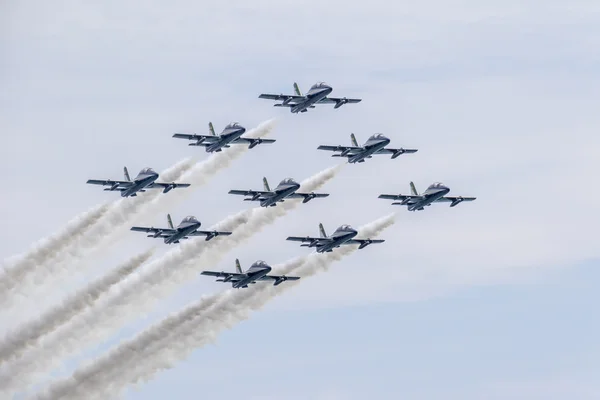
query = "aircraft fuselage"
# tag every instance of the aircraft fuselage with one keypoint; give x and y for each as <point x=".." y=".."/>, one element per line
<point x="139" y="184"/>
<point x="312" y="98"/>
<point x="252" y="275"/>
<point x="338" y="240"/>
<point x="280" y="194"/>
<point x="182" y="231"/>
<point x="370" y="148"/>
<point x="430" y="195"/>
<point x="226" y="137"/>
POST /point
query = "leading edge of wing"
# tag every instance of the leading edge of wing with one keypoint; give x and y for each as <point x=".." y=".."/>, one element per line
<point x="252" y="140"/>
<point x="306" y="239"/>
<point x="332" y="100"/>
<point x="276" y="277"/>
<point x="270" y="96"/>
<point x="108" y="182"/>
<point x="338" y="148"/>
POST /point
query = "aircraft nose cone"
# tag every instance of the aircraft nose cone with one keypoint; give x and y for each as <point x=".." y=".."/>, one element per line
<point x="268" y="269"/>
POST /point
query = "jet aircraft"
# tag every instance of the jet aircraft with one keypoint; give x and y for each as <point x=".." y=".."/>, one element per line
<point x="188" y="227"/>
<point x="343" y="235"/>
<point x="287" y="188"/>
<point x="374" y="145"/>
<point x="215" y="143"/>
<point x="146" y="179"/>
<point x="317" y="94"/>
<point x="257" y="272"/>
<point x="435" y="193"/>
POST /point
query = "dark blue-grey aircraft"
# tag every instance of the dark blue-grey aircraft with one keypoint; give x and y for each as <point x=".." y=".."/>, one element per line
<point x="188" y="227"/>
<point x="435" y="193"/>
<point x="215" y="143"/>
<point x="287" y="188"/>
<point x="343" y="235"/>
<point x="374" y="145"/>
<point x="146" y="179"/>
<point x="316" y="95"/>
<point x="257" y="272"/>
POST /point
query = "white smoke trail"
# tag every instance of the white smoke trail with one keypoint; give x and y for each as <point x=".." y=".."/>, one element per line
<point x="47" y="249"/>
<point x="94" y="239"/>
<point x="161" y="279"/>
<point x="163" y="345"/>
<point x="27" y="336"/>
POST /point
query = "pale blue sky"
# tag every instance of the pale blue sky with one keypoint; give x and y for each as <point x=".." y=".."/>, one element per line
<point x="500" y="98"/>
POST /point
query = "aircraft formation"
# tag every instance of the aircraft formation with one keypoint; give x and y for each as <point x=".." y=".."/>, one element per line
<point x="232" y="134"/>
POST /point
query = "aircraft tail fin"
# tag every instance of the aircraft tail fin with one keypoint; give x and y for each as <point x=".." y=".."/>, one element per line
<point x="211" y="129"/>
<point x="266" y="185"/>
<point x="297" y="90"/>
<point x="170" y="221"/>
<point x="126" y="174"/>
<point x="322" y="231"/>
<point x="238" y="268"/>
<point x="353" y="140"/>
<point x="413" y="189"/>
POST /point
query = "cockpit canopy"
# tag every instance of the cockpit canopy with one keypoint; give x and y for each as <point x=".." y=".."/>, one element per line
<point x="288" y="181"/>
<point x="233" y="125"/>
<point x="147" y="171"/>
<point x="319" y="85"/>
<point x="437" y="185"/>
<point x="378" y="136"/>
<point x="260" y="263"/>
<point x="345" y="227"/>
<point x="190" y="218"/>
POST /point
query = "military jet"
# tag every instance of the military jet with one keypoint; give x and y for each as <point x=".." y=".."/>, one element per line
<point x="257" y="272"/>
<point x="146" y="179"/>
<point x="343" y="235"/>
<point x="301" y="103"/>
<point x="188" y="227"/>
<point x="435" y="193"/>
<point x="287" y="188"/>
<point x="374" y="145"/>
<point x="230" y="135"/>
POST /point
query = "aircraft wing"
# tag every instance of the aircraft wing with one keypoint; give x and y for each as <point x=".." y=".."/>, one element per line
<point x="167" y="186"/>
<point x="364" y="242"/>
<point x="396" y="152"/>
<point x="278" y="278"/>
<point x="209" y="233"/>
<point x="256" y="194"/>
<point x="331" y="100"/>
<point x="201" y="140"/>
<point x="230" y="276"/>
<point x="158" y="232"/>
<point x="312" y="240"/>
<point x="403" y="198"/>
<point x="345" y="150"/>
<point x="253" y="141"/>
<point x="454" y="200"/>
<point x="307" y="196"/>
<point x="287" y="98"/>
<point x="115" y="185"/>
